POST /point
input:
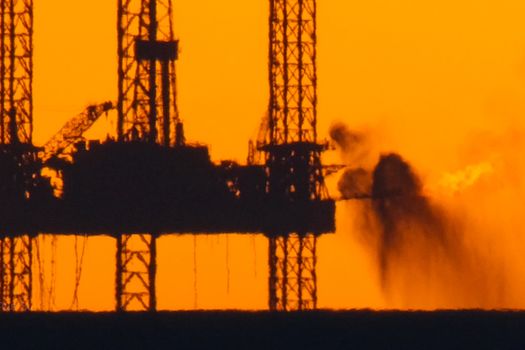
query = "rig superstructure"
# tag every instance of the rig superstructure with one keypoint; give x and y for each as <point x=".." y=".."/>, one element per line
<point x="149" y="181"/>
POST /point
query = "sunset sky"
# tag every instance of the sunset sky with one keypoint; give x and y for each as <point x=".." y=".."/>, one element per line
<point x="424" y="78"/>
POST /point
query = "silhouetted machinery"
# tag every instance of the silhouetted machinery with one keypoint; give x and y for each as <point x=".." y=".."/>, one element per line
<point x="140" y="187"/>
<point x="149" y="181"/>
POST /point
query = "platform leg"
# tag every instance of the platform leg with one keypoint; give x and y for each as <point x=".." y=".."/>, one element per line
<point x="136" y="268"/>
<point x="293" y="278"/>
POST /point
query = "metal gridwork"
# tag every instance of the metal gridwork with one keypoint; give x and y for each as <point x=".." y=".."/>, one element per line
<point x="73" y="131"/>
<point x="147" y="52"/>
<point x="293" y="154"/>
<point x="293" y="280"/>
<point x="16" y="71"/>
<point x="136" y="271"/>
<point x="16" y="127"/>
<point x="147" y="112"/>
<point x="293" y="72"/>
<point x="15" y="274"/>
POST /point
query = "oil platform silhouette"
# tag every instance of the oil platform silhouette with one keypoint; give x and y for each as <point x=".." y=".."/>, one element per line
<point x="149" y="181"/>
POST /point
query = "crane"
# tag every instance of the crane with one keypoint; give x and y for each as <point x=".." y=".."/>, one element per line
<point x="254" y="153"/>
<point x="74" y="129"/>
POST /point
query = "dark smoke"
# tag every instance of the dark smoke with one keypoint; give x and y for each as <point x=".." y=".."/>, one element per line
<point x="403" y="212"/>
<point x="355" y="183"/>
<point x="424" y="254"/>
<point x="356" y="180"/>
<point x="347" y="139"/>
<point x="354" y="145"/>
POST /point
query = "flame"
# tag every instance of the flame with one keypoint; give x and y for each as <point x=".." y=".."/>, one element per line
<point x="459" y="181"/>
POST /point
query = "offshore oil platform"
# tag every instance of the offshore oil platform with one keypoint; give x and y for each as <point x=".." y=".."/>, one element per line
<point x="149" y="181"/>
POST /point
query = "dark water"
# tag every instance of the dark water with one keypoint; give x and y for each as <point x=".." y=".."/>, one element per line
<point x="263" y="330"/>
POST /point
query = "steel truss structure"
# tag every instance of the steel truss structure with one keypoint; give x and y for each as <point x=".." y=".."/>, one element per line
<point x="146" y="74"/>
<point x="16" y="71"/>
<point x="16" y="285"/>
<point x="293" y="154"/>
<point x="136" y="272"/>
<point x="147" y="112"/>
<point x="293" y="279"/>
<point x="16" y="128"/>
<point x="73" y="131"/>
<point x="293" y="71"/>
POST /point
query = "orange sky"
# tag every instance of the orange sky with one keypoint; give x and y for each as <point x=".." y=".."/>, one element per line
<point x="426" y="76"/>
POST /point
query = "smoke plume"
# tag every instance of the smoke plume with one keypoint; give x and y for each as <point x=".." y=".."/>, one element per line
<point x="428" y="250"/>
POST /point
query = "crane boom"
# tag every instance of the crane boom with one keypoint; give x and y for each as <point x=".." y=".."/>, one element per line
<point x="254" y="146"/>
<point x="73" y="130"/>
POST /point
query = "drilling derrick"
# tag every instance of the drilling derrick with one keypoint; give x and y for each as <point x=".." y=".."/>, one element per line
<point x="147" y="112"/>
<point x="293" y="153"/>
<point x="18" y="160"/>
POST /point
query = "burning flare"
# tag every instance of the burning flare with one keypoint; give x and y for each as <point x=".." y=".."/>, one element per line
<point x="459" y="181"/>
<point x="430" y="253"/>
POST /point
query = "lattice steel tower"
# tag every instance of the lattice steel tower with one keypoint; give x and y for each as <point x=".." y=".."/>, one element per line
<point x="147" y="112"/>
<point x="18" y="156"/>
<point x="293" y="153"/>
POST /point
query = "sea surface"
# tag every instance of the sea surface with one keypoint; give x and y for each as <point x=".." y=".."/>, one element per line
<point x="357" y="329"/>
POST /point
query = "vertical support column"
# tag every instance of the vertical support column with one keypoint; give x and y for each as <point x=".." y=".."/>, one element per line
<point x="147" y="51"/>
<point x="16" y="71"/>
<point x="118" y="274"/>
<point x="293" y="71"/>
<point x="152" y="274"/>
<point x="166" y="132"/>
<point x="272" y="280"/>
<point x="147" y="111"/>
<point x="136" y="272"/>
<point x="3" y="71"/>
<point x="293" y="279"/>
<point x="21" y="299"/>
<point x="16" y="273"/>
<point x="293" y="153"/>
<point x="4" y="301"/>
<point x="16" y="127"/>
<point x="152" y="37"/>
